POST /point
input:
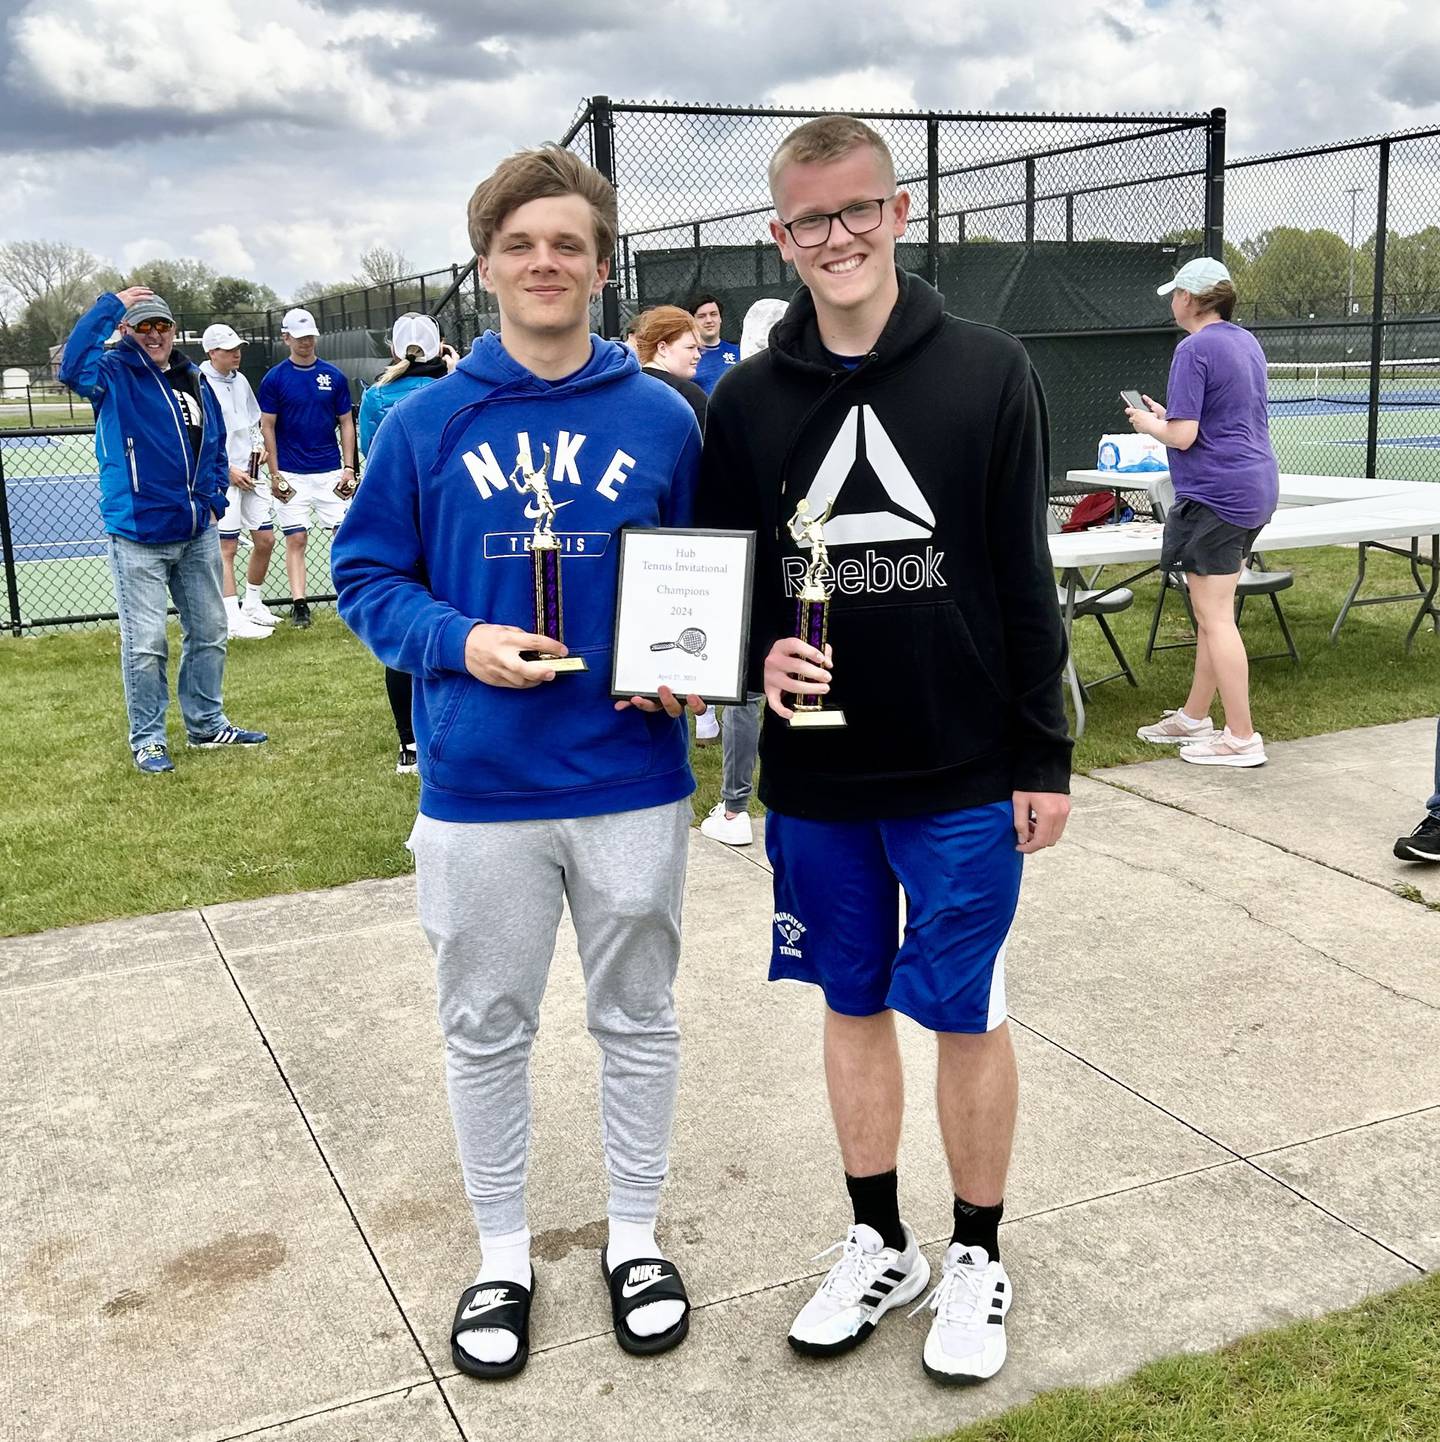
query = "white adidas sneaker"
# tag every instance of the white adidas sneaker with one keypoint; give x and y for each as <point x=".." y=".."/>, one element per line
<point x="966" y="1342"/>
<point x="868" y="1280"/>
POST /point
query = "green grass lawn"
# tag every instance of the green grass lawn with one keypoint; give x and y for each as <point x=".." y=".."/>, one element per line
<point x="85" y="837"/>
<point x="1371" y="1374"/>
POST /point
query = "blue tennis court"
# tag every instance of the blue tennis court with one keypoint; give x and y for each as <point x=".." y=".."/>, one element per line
<point x="56" y="518"/>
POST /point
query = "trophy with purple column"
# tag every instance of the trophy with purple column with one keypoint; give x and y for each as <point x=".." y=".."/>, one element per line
<point x="546" y="551"/>
<point x="812" y="608"/>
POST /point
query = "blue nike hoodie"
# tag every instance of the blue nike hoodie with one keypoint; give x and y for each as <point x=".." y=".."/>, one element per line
<point x="435" y="542"/>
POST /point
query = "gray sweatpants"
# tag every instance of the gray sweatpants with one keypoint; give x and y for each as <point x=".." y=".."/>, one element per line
<point x="740" y="743"/>
<point x="490" y="901"/>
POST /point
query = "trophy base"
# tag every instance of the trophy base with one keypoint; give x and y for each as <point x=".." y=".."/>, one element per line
<point x="809" y="720"/>
<point x="560" y="665"/>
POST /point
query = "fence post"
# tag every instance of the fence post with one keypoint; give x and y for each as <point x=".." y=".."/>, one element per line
<point x="7" y="553"/>
<point x="1215" y="185"/>
<point x="1377" y="310"/>
<point x="1070" y="218"/>
<point x="932" y="200"/>
<point x="1030" y="200"/>
<point x="602" y="140"/>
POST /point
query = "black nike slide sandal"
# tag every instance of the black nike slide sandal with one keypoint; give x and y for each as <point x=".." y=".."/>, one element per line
<point x="637" y="1283"/>
<point x="503" y="1305"/>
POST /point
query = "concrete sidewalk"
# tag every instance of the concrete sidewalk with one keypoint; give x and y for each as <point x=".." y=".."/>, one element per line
<point x="231" y="1205"/>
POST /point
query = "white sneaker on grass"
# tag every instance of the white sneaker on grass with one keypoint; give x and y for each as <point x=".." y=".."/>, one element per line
<point x="732" y="830"/>
<point x="869" y="1280"/>
<point x="1226" y="750"/>
<point x="1176" y="728"/>
<point x="966" y="1342"/>
<point x="259" y="614"/>
<point x="240" y="627"/>
<point x="707" y="728"/>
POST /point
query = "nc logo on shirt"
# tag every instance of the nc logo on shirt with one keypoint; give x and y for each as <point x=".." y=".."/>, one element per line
<point x="323" y="381"/>
<point x="790" y="931"/>
<point x="729" y="357"/>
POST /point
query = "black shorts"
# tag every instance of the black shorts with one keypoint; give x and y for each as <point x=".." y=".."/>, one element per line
<point x="1200" y="543"/>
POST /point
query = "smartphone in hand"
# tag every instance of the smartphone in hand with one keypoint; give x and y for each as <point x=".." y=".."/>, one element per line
<point x="1134" y="400"/>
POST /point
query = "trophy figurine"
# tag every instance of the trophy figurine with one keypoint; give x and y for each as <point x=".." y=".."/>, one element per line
<point x="545" y="555"/>
<point x="812" y="608"/>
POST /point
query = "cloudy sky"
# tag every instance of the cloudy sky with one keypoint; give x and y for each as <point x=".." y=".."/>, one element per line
<point x="277" y="139"/>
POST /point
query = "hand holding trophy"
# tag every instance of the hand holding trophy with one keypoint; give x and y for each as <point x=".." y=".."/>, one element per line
<point x="812" y="608"/>
<point x="545" y="555"/>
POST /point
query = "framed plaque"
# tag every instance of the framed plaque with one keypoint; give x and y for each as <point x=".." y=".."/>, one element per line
<point x="682" y="613"/>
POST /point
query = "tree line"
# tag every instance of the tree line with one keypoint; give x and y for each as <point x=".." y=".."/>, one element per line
<point x="45" y="285"/>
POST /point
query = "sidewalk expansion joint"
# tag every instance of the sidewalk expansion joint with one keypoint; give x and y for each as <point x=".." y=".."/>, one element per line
<point x="1342" y="1132"/>
<point x="334" y="1180"/>
<point x="1226" y="900"/>
<point x="1224" y="1146"/>
<point x="1139" y="795"/>
<point x="401" y="1392"/>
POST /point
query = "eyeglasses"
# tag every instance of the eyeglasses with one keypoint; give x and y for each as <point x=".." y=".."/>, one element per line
<point x="808" y="231"/>
<point x="160" y="327"/>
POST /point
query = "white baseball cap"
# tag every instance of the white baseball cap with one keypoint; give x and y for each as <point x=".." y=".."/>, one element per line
<point x="299" y="322"/>
<point x="760" y="320"/>
<point x="1196" y="276"/>
<point x="219" y="337"/>
<point x="415" y="329"/>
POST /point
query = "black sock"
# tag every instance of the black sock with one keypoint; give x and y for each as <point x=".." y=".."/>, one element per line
<point x="978" y="1226"/>
<point x="876" y="1202"/>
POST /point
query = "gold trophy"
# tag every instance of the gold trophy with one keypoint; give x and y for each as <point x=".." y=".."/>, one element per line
<point x="812" y="608"/>
<point x="545" y="555"/>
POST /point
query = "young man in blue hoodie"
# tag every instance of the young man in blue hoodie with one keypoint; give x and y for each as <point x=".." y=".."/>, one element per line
<point x="536" y="790"/>
<point x="160" y="445"/>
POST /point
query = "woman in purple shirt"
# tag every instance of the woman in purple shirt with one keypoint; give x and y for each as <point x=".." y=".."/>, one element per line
<point x="1215" y="426"/>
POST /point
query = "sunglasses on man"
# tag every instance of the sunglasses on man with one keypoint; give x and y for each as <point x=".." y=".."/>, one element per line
<point x="159" y="327"/>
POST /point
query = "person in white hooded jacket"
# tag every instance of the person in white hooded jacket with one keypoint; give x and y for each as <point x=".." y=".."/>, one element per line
<point x="248" y="504"/>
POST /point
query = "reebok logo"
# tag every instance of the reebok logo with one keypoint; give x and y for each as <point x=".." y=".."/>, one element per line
<point x="862" y="448"/>
<point x="790" y="931"/>
<point x="872" y="575"/>
<point x="646" y="1274"/>
<point x="486" y="1301"/>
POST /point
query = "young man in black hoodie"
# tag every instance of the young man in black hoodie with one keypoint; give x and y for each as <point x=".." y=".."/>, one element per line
<point x="945" y="657"/>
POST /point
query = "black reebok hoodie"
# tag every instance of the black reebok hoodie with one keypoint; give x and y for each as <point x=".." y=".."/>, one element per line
<point x="948" y="643"/>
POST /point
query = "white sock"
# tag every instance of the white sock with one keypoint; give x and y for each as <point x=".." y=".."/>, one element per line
<point x="629" y="1240"/>
<point x="503" y="1258"/>
<point x="1188" y="719"/>
<point x="253" y="595"/>
<point x="232" y="606"/>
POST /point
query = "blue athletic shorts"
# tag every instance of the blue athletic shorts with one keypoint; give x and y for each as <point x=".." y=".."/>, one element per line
<point x="837" y="912"/>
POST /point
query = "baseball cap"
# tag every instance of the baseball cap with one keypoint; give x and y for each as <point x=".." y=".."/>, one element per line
<point x="1197" y="276"/>
<point x="219" y="337"/>
<point x="415" y="329"/>
<point x="151" y="309"/>
<point x="299" y="322"/>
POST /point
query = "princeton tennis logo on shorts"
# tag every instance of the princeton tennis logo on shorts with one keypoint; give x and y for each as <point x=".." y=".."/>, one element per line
<point x="790" y="931"/>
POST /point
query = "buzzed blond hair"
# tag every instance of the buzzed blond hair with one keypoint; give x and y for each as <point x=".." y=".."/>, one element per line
<point x="827" y="138"/>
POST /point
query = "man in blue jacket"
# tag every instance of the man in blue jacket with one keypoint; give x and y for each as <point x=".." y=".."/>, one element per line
<point x="160" y="443"/>
<point x="535" y="791"/>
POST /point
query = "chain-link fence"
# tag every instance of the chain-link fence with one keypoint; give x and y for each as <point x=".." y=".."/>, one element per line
<point x="52" y="539"/>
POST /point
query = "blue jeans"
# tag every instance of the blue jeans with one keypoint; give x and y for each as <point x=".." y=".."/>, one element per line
<point x="146" y="577"/>
<point x="1433" y="804"/>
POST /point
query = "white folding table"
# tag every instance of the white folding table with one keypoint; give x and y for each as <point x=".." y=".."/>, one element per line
<point x="1411" y="513"/>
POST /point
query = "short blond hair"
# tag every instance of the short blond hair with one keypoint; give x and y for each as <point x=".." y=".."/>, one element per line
<point x="539" y="174"/>
<point x="661" y="325"/>
<point x="828" y="138"/>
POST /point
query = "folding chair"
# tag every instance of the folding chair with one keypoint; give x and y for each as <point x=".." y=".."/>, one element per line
<point x="1252" y="582"/>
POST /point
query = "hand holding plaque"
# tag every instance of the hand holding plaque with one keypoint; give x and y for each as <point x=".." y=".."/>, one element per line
<point x="812" y="608"/>
<point x="545" y="556"/>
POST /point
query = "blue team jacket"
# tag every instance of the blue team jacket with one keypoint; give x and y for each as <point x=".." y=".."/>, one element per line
<point x="437" y="539"/>
<point x="153" y="489"/>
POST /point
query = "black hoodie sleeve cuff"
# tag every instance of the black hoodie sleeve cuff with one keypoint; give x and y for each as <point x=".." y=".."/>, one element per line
<point x="1043" y="767"/>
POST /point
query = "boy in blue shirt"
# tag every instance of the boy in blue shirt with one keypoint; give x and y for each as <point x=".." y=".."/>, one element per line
<point x="303" y="400"/>
<point x="716" y="355"/>
<point x="535" y="792"/>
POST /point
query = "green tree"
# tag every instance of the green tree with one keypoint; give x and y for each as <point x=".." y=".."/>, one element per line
<point x="231" y="295"/>
<point x="1299" y="272"/>
<point x="184" y="283"/>
<point x="45" y="284"/>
